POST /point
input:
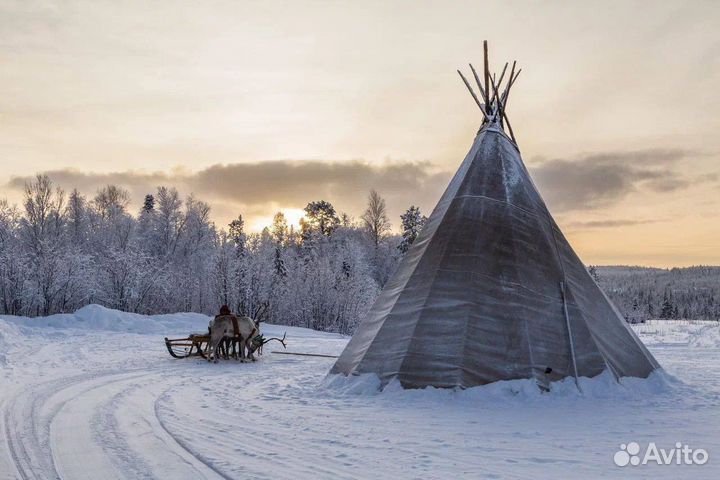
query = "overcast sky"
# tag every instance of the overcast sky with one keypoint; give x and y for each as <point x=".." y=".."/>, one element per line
<point x="261" y="106"/>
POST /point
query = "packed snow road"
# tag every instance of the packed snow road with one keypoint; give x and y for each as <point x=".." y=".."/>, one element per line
<point x="107" y="402"/>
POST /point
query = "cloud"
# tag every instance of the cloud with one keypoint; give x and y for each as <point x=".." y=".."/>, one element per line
<point x="607" y="223"/>
<point x="598" y="180"/>
<point x="256" y="188"/>
<point x="287" y="182"/>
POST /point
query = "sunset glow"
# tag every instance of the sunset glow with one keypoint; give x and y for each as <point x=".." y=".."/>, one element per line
<point x="250" y="107"/>
<point x="292" y="215"/>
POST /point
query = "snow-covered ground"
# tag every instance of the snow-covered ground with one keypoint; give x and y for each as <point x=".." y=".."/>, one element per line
<point x="95" y="395"/>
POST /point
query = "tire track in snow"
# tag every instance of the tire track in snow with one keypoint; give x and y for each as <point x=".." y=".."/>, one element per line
<point x="268" y="444"/>
<point x="182" y="442"/>
<point x="112" y="429"/>
<point x="27" y="429"/>
<point x="30" y="422"/>
<point x="104" y="420"/>
<point x="27" y="434"/>
<point x="76" y="447"/>
<point x="25" y="425"/>
<point x="18" y="453"/>
<point x="118" y="397"/>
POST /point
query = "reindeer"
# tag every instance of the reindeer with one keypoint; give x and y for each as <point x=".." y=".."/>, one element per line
<point x="226" y="328"/>
<point x="218" y="332"/>
<point x="248" y="330"/>
<point x="257" y="314"/>
<point x="223" y="345"/>
<point x="220" y="335"/>
<point x="229" y="327"/>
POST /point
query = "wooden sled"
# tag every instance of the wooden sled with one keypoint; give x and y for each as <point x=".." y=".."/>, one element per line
<point x="194" y="345"/>
<point x="197" y="344"/>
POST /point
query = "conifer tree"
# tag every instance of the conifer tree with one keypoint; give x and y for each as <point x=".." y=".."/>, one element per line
<point x="412" y="222"/>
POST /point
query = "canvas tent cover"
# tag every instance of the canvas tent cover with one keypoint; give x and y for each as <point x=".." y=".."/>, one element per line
<point x="478" y="297"/>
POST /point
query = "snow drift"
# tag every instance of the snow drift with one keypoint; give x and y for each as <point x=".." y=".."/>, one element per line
<point x="603" y="387"/>
<point x="98" y="318"/>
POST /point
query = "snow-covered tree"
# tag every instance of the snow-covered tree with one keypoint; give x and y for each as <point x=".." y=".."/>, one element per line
<point x="42" y="229"/>
<point x="375" y="219"/>
<point x="279" y="230"/>
<point x="411" y="222"/>
<point x="58" y="253"/>
<point x="148" y="203"/>
<point x="14" y="262"/>
<point x="667" y="309"/>
<point x="320" y="217"/>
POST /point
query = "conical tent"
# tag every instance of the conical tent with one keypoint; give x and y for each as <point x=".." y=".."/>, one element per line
<point x="491" y="289"/>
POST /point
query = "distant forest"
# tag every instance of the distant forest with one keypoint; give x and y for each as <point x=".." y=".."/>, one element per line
<point x="59" y="252"/>
<point x="652" y="293"/>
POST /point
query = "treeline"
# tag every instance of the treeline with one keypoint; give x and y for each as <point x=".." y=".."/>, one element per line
<point x="59" y="252"/>
<point x="691" y="293"/>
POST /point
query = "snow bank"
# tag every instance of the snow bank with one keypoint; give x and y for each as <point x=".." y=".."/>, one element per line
<point x="706" y="337"/>
<point x="8" y="332"/>
<point x="602" y="387"/>
<point x="98" y="318"/>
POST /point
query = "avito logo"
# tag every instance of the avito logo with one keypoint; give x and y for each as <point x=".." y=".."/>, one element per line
<point x="629" y="454"/>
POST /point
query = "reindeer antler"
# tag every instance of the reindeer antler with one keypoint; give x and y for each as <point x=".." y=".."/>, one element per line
<point x="281" y="340"/>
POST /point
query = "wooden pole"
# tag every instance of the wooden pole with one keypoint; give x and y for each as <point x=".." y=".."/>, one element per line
<point x="479" y="84"/>
<point x="505" y="96"/>
<point x="304" y="354"/>
<point x="510" y="79"/>
<point x="570" y="337"/>
<point x="495" y="97"/>
<point x="502" y="75"/>
<point x="507" y="122"/>
<point x="512" y="82"/>
<point x="495" y="86"/>
<point x="472" y="93"/>
<point x="487" y="70"/>
<point x="498" y="106"/>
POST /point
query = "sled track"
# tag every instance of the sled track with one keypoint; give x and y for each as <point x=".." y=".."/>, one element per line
<point x="182" y="442"/>
<point x="97" y="425"/>
<point x="27" y="435"/>
<point x="280" y="438"/>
